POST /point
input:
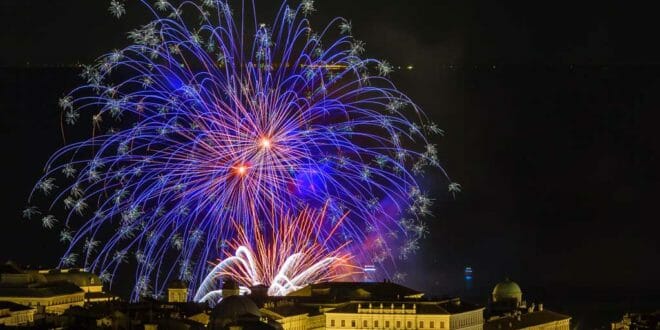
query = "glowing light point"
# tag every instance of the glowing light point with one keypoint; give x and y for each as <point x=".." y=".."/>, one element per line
<point x="241" y="170"/>
<point x="265" y="142"/>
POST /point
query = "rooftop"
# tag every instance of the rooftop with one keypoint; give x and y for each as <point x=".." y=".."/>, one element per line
<point x="420" y="307"/>
<point x="13" y="306"/>
<point x="79" y="278"/>
<point x="41" y="290"/>
<point x="291" y="309"/>
<point x="526" y="320"/>
<point x="99" y="295"/>
<point x="358" y="290"/>
<point x="10" y="268"/>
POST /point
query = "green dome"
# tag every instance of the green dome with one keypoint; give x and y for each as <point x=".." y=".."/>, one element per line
<point x="507" y="290"/>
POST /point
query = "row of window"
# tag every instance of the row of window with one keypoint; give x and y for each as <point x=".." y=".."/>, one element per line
<point x="472" y="319"/>
<point x="59" y="301"/>
<point x="386" y="324"/>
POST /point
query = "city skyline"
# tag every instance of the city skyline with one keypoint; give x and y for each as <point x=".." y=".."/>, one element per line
<point x="547" y="131"/>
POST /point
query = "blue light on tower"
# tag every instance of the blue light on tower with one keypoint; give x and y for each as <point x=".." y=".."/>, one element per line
<point x="468" y="273"/>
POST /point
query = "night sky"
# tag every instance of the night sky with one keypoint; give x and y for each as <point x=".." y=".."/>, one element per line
<point x="551" y="116"/>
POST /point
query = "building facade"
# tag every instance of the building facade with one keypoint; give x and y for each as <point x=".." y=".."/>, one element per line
<point x="292" y="316"/>
<point x="12" y="314"/>
<point x="177" y="292"/>
<point x="449" y="314"/>
<point x="33" y="289"/>
<point x="633" y="321"/>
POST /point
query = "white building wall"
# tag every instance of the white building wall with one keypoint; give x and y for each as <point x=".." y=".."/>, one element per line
<point x="471" y="320"/>
<point x="337" y="321"/>
<point x="54" y="304"/>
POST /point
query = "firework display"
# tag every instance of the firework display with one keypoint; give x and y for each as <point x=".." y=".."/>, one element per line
<point x="309" y="254"/>
<point x="213" y="136"/>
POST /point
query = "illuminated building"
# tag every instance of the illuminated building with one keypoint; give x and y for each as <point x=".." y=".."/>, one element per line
<point x="292" y="316"/>
<point x="177" y="292"/>
<point x="507" y="291"/>
<point x="238" y="312"/>
<point x="506" y="297"/>
<point x="508" y="310"/>
<point x="370" y="305"/>
<point x="532" y="319"/>
<point x="33" y="289"/>
<point x="12" y="314"/>
<point x="638" y="321"/>
<point x="88" y="282"/>
<point x="447" y="314"/>
<point x="51" y="290"/>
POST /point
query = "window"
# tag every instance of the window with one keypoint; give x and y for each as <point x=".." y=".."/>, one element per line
<point x="442" y="325"/>
<point x="343" y="323"/>
<point x="387" y="324"/>
<point x="398" y="324"/>
<point x="365" y="324"/>
<point x="431" y="324"/>
<point x="332" y="323"/>
<point x="409" y="325"/>
<point x="375" y="324"/>
<point x="353" y="324"/>
<point x="421" y="324"/>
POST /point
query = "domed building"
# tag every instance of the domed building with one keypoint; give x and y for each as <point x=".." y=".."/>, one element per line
<point x="239" y="312"/>
<point x="507" y="297"/>
<point x="508" y="310"/>
<point x="230" y="288"/>
<point x="507" y="291"/>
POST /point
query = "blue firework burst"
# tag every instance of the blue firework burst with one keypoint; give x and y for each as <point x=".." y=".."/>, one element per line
<point x="205" y="119"/>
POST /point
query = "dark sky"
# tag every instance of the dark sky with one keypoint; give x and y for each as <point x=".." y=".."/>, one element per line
<point x="550" y="108"/>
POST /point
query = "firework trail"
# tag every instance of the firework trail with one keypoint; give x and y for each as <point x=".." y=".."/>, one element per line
<point x="208" y="120"/>
<point x="310" y="253"/>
